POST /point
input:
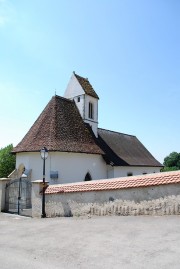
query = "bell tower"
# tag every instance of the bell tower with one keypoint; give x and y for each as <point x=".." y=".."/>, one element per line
<point x="80" y="90"/>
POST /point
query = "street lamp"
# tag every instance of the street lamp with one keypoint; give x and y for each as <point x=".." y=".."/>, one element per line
<point x="44" y="155"/>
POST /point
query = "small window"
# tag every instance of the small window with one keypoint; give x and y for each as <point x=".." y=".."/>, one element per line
<point x="88" y="177"/>
<point x="91" y="111"/>
<point x="144" y="173"/>
<point x="129" y="174"/>
<point x="54" y="174"/>
<point x="78" y="99"/>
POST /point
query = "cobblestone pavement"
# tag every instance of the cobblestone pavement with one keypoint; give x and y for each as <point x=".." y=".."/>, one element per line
<point x="98" y="242"/>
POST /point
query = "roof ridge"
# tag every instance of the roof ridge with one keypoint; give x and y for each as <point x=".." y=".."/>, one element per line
<point x="81" y="76"/>
<point x="116" y="132"/>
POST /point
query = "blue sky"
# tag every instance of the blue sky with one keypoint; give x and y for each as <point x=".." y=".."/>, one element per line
<point x="128" y="49"/>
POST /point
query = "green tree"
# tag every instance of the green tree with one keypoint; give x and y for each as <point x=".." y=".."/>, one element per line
<point x="7" y="161"/>
<point x="172" y="162"/>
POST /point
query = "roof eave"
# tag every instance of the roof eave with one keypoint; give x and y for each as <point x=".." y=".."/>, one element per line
<point x="56" y="150"/>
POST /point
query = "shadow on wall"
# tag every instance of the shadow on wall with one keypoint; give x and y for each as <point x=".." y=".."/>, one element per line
<point x="67" y="210"/>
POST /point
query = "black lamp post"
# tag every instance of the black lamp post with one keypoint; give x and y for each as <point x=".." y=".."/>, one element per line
<point x="44" y="155"/>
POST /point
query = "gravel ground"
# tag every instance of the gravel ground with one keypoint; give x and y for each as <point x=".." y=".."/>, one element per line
<point x="98" y="242"/>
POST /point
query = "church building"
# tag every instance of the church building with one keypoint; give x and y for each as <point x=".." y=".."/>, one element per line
<point x="78" y="150"/>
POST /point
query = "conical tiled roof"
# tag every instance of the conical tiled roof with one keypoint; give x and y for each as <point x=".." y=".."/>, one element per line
<point x="59" y="128"/>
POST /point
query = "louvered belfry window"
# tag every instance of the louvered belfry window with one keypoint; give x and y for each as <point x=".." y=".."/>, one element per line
<point x="91" y="112"/>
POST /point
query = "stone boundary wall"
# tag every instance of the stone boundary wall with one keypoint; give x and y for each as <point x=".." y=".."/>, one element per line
<point x="155" y="200"/>
<point x="154" y="194"/>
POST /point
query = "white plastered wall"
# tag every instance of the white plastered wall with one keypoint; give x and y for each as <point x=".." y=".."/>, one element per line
<point x="73" y="88"/>
<point x="71" y="167"/>
<point x="123" y="171"/>
<point x="110" y="171"/>
<point x="73" y="91"/>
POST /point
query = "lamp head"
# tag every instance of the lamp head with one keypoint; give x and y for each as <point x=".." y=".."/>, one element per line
<point x="44" y="153"/>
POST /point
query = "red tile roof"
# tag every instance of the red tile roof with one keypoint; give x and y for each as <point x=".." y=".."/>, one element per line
<point x="59" y="128"/>
<point x="87" y="87"/>
<point x="117" y="183"/>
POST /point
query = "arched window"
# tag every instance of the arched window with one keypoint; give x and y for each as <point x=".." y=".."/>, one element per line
<point x="88" y="177"/>
<point x="91" y="111"/>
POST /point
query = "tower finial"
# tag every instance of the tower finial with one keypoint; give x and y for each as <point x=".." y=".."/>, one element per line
<point x="55" y="92"/>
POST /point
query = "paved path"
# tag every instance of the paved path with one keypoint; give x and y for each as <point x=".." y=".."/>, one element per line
<point x="101" y="242"/>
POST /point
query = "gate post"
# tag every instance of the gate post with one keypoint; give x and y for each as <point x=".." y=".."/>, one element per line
<point x="3" y="182"/>
<point x="37" y="187"/>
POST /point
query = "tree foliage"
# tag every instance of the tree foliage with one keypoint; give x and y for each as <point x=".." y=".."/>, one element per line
<point x="7" y="161"/>
<point x="172" y="162"/>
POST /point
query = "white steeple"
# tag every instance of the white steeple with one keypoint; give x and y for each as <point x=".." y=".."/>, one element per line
<point x="80" y="90"/>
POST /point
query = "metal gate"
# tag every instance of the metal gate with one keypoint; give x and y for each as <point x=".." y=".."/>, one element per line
<point x="18" y="197"/>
